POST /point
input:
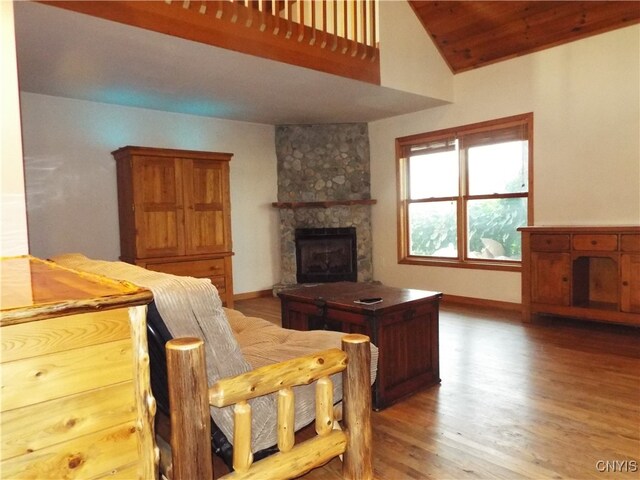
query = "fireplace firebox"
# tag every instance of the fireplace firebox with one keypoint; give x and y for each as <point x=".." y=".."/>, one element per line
<point x="326" y="255"/>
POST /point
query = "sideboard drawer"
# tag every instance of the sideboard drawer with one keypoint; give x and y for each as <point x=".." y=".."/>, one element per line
<point x="607" y="243"/>
<point x="550" y="243"/>
<point x="630" y="243"/>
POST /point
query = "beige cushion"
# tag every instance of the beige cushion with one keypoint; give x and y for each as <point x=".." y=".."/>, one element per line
<point x="263" y="343"/>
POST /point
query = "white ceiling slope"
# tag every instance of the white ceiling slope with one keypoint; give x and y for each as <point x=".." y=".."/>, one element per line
<point x="72" y="55"/>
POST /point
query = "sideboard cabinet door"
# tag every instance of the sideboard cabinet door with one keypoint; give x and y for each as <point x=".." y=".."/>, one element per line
<point x="550" y="273"/>
<point x="630" y="277"/>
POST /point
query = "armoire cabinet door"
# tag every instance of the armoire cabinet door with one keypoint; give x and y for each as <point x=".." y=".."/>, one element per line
<point x="206" y="199"/>
<point x="158" y="204"/>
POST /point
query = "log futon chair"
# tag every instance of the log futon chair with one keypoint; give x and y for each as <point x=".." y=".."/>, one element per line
<point x="236" y="347"/>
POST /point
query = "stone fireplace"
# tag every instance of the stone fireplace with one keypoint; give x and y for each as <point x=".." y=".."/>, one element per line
<point x="323" y="183"/>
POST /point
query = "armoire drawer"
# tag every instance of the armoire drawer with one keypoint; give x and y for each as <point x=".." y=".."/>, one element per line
<point x="191" y="268"/>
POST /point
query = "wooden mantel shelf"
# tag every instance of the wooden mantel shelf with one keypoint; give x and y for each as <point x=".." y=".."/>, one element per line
<point x="326" y="204"/>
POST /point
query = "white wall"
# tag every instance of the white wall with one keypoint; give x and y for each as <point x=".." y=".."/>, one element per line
<point x="409" y="60"/>
<point x="13" y="215"/>
<point x="585" y="97"/>
<point x="71" y="178"/>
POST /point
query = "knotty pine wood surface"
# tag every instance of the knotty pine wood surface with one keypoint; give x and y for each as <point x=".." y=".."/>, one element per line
<point x="542" y="400"/>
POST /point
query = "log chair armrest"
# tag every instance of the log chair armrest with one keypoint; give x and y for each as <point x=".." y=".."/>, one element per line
<point x="190" y="398"/>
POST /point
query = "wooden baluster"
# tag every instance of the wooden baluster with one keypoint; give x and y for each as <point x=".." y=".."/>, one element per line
<point x="301" y="25"/>
<point x="286" y="420"/>
<point x="275" y="11"/>
<point x="324" y="406"/>
<point x="354" y="23"/>
<point x="312" y="41"/>
<point x="242" y="456"/>
<point x="335" y="26"/>
<point x="324" y="24"/>
<point x="234" y="11"/>
<point x="249" y="8"/>
<point x="288" y="7"/>
<point x="373" y="22"/>
<point x="188" y="398"/>
<point x="219" y="8"/>
<point x="263" y="22"/>
<point x="357" y="463"/>
<point x="364" y="28"/>
<point x="345" y="26"/>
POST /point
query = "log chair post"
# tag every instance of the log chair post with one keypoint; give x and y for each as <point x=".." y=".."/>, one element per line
<point x="189" y="405"/>
<point x="356" y="384"/>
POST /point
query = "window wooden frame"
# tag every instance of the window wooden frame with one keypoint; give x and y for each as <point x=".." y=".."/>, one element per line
<point x="403" y="144"/>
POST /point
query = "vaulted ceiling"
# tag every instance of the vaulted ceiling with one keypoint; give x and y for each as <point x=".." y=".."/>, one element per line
<point x="474" y="34"/>
<point x="66" y="54"/>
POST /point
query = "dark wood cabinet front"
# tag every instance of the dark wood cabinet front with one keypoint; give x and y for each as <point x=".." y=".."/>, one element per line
<point x="404" y="328"/>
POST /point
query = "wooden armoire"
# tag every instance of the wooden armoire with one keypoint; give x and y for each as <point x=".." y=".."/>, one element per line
<point x="175" y="213"/>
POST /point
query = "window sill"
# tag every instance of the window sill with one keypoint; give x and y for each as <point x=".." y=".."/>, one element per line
<point x="454" y="263"/>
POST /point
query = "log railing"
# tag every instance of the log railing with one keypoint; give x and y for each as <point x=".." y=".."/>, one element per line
<point x="190" y="399"/>
<point x="334" y="36"/>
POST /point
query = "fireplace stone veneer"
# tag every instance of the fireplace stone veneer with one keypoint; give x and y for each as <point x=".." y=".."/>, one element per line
<point x="324" y="163"/>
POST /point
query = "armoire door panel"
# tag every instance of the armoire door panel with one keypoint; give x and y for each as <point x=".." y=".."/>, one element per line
<point x="206" y="197"/>
<point x="158" y="199"/>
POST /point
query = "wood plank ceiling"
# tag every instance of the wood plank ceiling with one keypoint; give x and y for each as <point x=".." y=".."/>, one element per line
<point x="472" y="34"/>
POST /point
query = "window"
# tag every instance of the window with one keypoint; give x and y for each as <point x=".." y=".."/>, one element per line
<point x="463" y="192"/>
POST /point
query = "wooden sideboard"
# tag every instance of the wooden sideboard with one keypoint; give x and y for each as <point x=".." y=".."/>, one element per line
<point x="175" y="213"/>
<point x="76" y="400"/>
<point x="591" y="273"/>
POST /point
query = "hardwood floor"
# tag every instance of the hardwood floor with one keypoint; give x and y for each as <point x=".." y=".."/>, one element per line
<point x="554" y="399"/>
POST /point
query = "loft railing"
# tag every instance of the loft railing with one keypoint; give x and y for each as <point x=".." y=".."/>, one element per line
<point x="347" y="26"/>
<point x="334" y="36"/>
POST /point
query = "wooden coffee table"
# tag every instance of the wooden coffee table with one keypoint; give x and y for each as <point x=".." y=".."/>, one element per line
<point x="404" y="327"/>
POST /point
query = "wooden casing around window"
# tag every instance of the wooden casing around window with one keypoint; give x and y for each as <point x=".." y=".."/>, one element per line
<point x="403" y="143"/>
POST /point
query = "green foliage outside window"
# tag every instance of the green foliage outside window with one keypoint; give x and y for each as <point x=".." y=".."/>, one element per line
<point x="494" y="219"/>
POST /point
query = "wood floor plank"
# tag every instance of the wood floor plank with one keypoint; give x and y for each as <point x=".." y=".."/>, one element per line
<point x="544" y="400"/>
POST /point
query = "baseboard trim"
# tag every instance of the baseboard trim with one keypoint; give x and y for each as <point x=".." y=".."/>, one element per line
<point x="252" y="295"/>
<point x="480" y="302"/>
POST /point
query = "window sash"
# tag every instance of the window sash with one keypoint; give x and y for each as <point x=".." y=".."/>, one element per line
<point x="492" y="132"/>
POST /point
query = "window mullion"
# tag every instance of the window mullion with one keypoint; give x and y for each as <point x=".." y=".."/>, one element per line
<point x="462" y="203"/>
